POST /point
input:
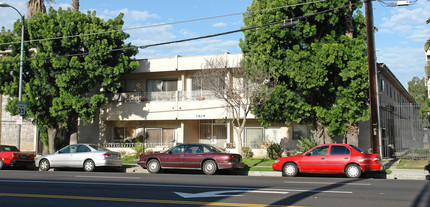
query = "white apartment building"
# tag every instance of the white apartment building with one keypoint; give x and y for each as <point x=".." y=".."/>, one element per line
<point x="162" y="101"/>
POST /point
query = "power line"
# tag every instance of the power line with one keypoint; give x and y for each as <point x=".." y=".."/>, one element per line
<point x="288" y="22"/>
<point x="165" y="24"/>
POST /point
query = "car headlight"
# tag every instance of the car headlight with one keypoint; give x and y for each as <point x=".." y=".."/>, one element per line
<point x="276" y="161"/>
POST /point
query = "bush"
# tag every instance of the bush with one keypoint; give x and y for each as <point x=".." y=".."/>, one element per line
<point x="138" y="149"/>
<point x="274" y="151"/>
<point x="306" y="144"/>
<point x="247" y="152"/>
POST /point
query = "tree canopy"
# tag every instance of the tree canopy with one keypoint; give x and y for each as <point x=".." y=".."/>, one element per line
<point x="418" y="90"/>
<point x="63" y="76"/>
<point x="319" y="63"/>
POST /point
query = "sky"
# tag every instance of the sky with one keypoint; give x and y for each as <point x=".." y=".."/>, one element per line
<point x="399" y="41"/>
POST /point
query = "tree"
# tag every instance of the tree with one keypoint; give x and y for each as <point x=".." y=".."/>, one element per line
<point x="230" y="82"/>
<point x="63" y="78"/>
<point x="418" y="90"/>
<point x="321" y="68"/>
<point x="75" y="5"/>
<point x="36" y="6"/>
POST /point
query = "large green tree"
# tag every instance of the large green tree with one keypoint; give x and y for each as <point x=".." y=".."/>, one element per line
<point x="63" y="77"/>
<point x="418" y="90"/>
<point x="319" y="63"/>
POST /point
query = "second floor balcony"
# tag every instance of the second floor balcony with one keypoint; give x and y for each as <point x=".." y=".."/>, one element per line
<point x="166" y="96"/>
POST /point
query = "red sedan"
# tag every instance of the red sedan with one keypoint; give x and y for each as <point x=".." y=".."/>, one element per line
<point x="330" y="158"/>
<point x="203" y="157"/>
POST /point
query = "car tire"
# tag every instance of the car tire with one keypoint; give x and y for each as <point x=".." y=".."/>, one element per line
<point x="1" y="164"/>
<point x="44" y="165"/>
<point x="153" y="166"/>
<point x="89" y="165"/>
<point x="290" y="170"/>
<point x="353" y="171"/>
<point x="210" y="167"/>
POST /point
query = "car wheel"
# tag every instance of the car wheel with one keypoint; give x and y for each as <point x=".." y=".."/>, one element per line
<point x="353" y="171"/>
<point x="44" y="165"/>
<point x="290" y="170"/>
<point x="153" y="166"/>
<point x="209" y="167"/>
<point x="1" y="164"/>
<point x="89" y="165"/>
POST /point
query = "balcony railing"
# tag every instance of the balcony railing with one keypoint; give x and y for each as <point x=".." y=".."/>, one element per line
<point x="171" y="96"/>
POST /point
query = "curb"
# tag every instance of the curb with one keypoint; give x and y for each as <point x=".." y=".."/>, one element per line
<point x="397" y="174"/>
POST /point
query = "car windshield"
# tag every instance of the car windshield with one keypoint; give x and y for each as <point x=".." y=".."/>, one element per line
<point x="98" y="148"/>
<point x="9" y="149"/>
<point x="358" y="149"/>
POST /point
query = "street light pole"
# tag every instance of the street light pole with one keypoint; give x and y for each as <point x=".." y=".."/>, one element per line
<point x="3" y="4"/>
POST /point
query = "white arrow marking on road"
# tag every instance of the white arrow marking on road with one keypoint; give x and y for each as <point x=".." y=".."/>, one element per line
<point x="223" y="193"/>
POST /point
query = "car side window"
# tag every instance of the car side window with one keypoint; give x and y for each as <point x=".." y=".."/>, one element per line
<point x="319" y="151"/>
<point x="206" y="150"/>
<point x="339" y="150"/>
<point x="65" y="150"/>
<point x="83" y="148"/>
<point x="178" y="150"/>
<point x="194" y="149"/>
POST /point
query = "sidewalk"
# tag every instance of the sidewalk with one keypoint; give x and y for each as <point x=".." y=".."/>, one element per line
<point x="399" y="174"/>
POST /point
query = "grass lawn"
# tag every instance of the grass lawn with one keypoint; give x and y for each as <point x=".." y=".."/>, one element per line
<point x="258" y="164"/>
<point x="412" y="164"/>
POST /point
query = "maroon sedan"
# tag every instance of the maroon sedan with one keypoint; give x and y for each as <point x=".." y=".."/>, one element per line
<point x="330" y="158"/>
<point x="203" y="157"/>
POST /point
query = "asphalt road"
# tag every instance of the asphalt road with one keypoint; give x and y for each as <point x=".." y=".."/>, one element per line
<point x="76" y="188"/>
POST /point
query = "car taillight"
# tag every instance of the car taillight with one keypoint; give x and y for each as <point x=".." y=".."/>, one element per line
<point x="106" y="155"/>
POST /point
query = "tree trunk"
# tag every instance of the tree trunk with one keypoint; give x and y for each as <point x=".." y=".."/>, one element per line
<point x="238" y="140"/>
<point x="75" y="5"/>
<point x="72" y="129"/>
<point x="52" y="134"/>
<point x="348" y="22"/>
<point x="321" y="136"/>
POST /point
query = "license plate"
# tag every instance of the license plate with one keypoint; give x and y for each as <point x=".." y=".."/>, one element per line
<point x="24" y="156"/>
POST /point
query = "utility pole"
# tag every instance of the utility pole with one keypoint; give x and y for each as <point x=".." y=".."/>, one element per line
<point x="373" y="93"/>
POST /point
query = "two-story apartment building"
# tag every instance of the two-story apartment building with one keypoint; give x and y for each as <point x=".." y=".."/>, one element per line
<point x="162" y="101"/>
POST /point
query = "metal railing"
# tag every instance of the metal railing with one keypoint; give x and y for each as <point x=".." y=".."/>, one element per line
<point x="137" y="97"/>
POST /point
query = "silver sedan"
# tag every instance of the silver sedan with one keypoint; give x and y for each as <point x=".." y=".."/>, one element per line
<point x="87" y="156"/>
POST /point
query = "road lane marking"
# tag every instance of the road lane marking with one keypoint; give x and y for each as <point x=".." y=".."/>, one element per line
<point x="327" y="183"/>
<point x="172" y="186"/>
<point x="225" y="193"/>
<point x="135" y="200"/>
<point x="110" y="177"/>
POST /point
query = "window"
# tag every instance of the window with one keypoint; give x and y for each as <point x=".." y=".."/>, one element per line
<point x="83" y="148"/>
<point x="382" y="85"/>
<point x="301" y="131"/>
<point x="159" y="85"/>
<point x="339" y="150"/>
<point x="194" y="149"/>
<point x="211" y="130"/>
<point x="178" y="150"/>
<point x="253" y="137"/>
<point x="160" y="136"/>
<point x="319" y="151"/>
<point x="122" y="133"/>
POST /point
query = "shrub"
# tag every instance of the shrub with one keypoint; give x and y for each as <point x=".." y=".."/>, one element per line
<point x="306" y="144"/>
<point x="247" y="152"/>
<point x="138" y="149"/>
<point x="274" y="151"/>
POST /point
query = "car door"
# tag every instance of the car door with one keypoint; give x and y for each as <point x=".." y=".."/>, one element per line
<point x="174" y="157"/>
<point x="193" y="156"/>
<point x="315" y="160"/>
<point x="63" y="157"/>
<point x="79" y="156"/>
<point x="337" y="159"/>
